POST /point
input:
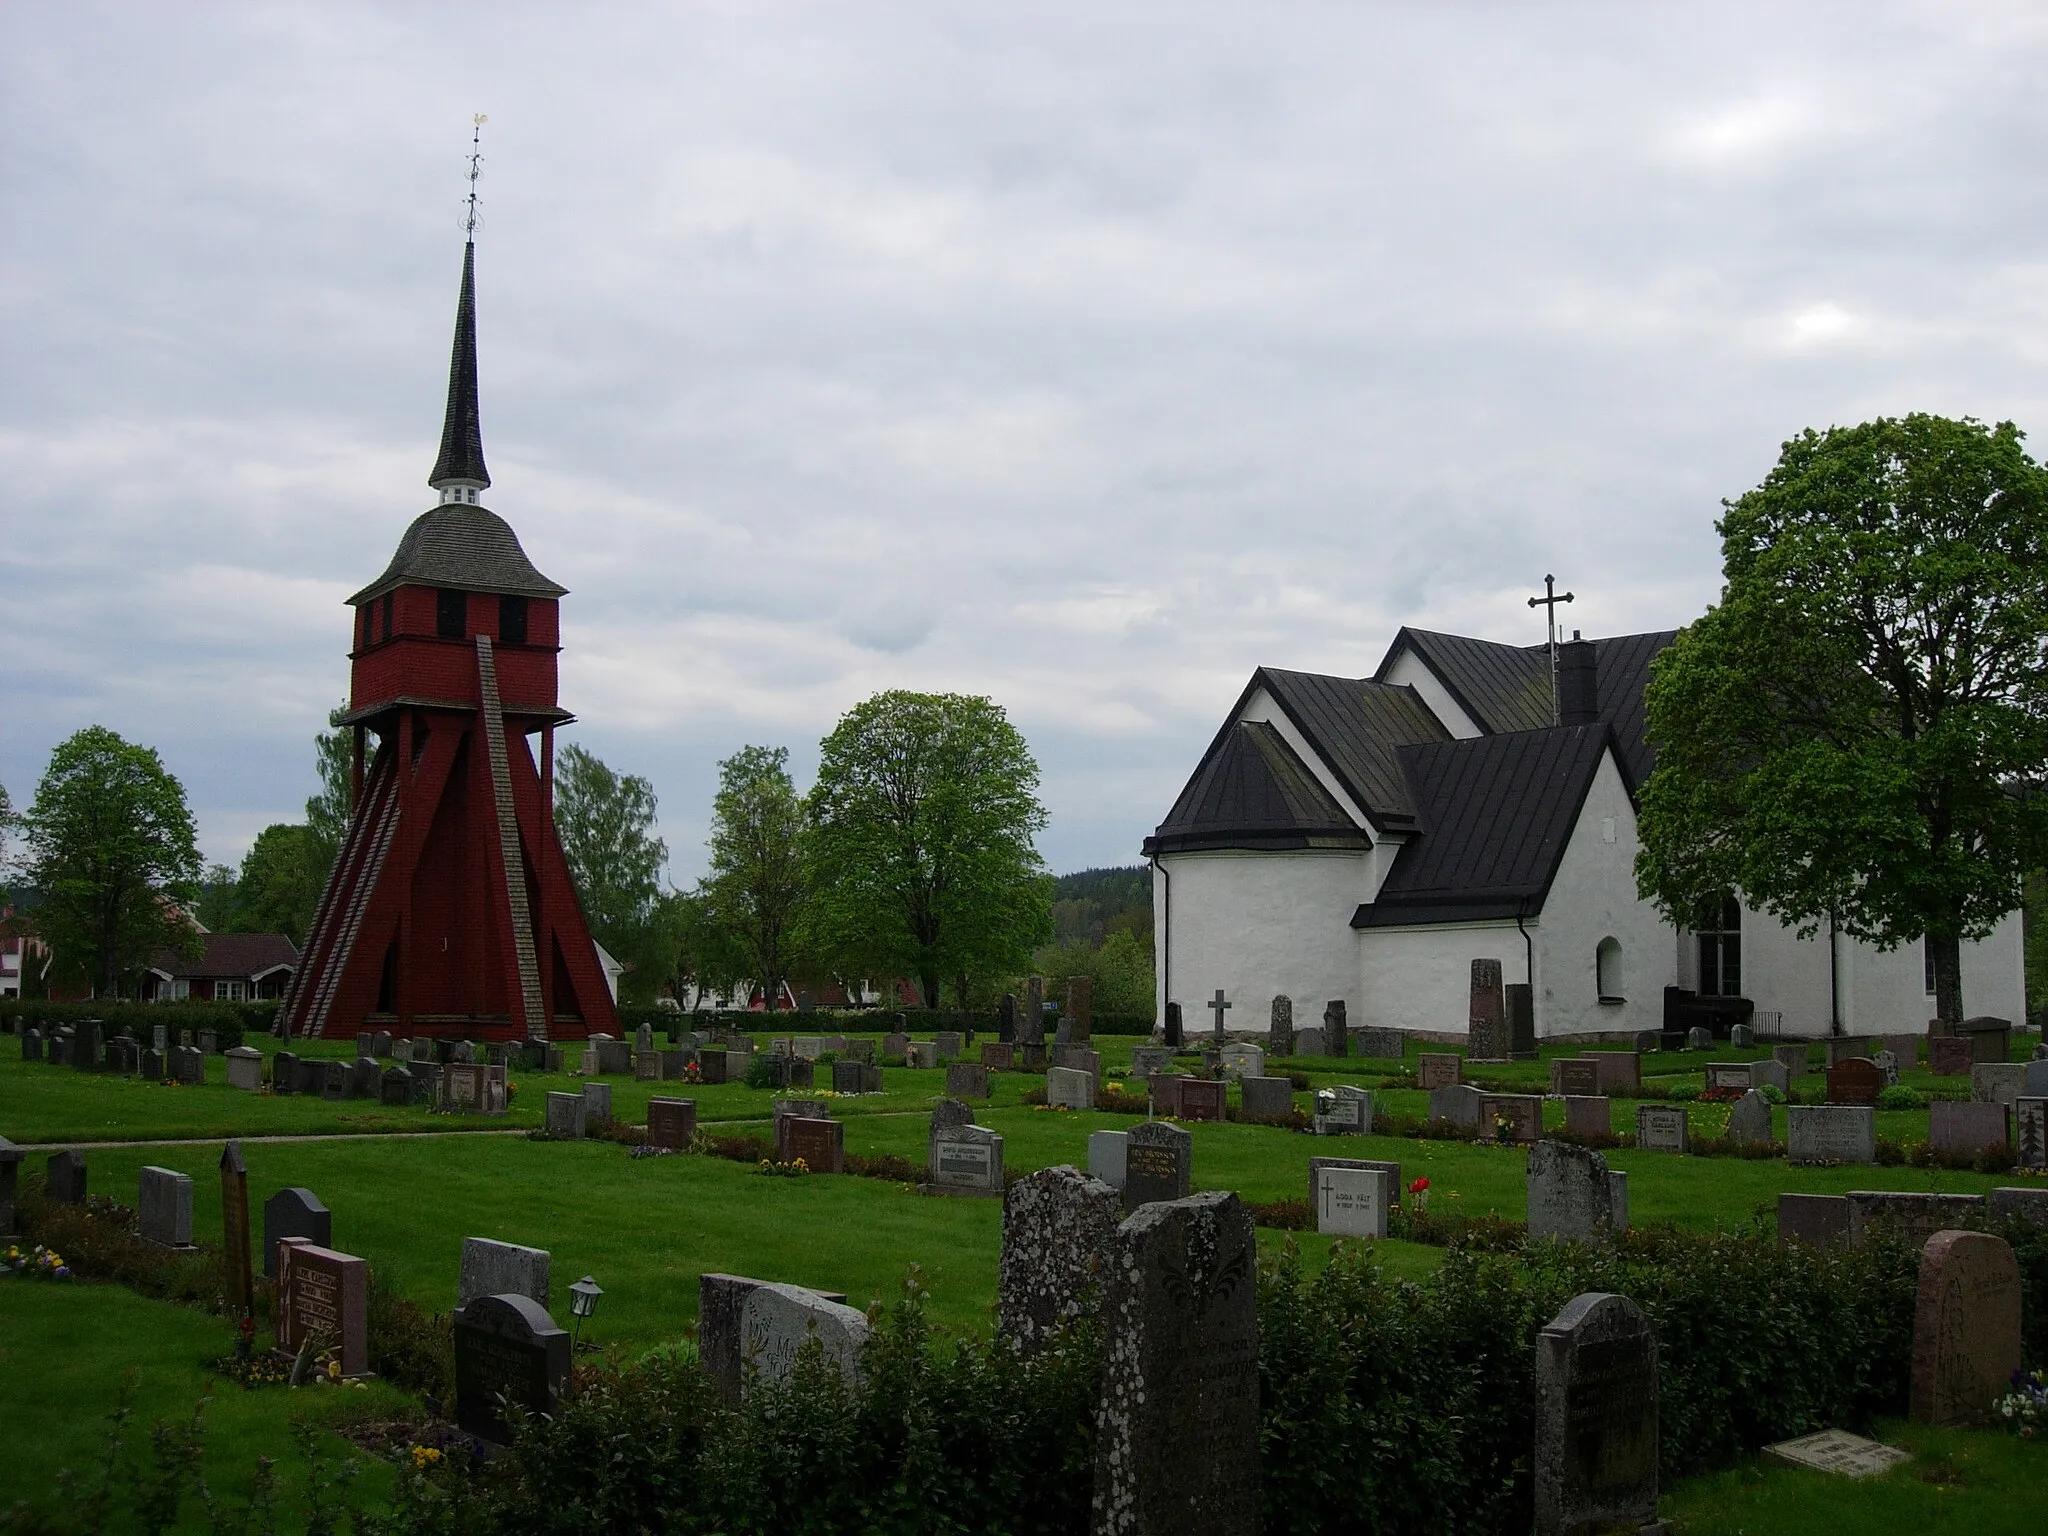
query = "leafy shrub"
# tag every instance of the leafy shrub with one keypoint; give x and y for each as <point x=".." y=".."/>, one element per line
<point x="1772" y="1093"/>
<point x="228" y="1021"/>
<point x="1684" y="1093"/>
<point x="1899" y="1096"/>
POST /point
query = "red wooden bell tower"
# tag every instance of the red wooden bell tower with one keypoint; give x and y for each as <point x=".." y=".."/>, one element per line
<point x="450" y="910"/>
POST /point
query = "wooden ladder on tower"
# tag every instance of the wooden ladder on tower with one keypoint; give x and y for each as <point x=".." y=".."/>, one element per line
<point x="508" y="843"/>
<point x="333" y="935"/>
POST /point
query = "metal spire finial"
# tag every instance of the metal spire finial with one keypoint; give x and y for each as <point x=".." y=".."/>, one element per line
<point x="476" y="160"/>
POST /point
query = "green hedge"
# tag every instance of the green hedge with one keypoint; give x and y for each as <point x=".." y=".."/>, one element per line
<point x="229" y="1021"/>
<point x="859" y="1021"/>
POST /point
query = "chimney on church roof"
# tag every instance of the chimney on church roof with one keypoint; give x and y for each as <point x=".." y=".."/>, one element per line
<point x="459" y="472"/>
<point x="1578" y="682"/>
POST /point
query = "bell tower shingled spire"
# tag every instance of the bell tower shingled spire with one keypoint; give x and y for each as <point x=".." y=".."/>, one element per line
<point x="459" y="472"/>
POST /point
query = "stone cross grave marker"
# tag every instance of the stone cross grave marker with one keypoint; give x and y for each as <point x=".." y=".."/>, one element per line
<point x="1663" y="1128"/>
<point x="1838" y="1451"/>
<point x="163" y="1204"/>
<point x="671" y="1123"/>
<point x="966" y="1160"/>
<point x="777" y="1321"/>
<point x="1749" y="1122"/>
<point x="1158" y="1163"/>
<point x="1058" y="1226"/>
<point x="1596" y="1417"/>
<point x="1106" y="1153"/>
<point x="1219" y="1005"/>
<point x="1352" y="1202"/>
<point x="294" y="1212"/>
<point x="1336" y="1037"/>
<point x="1280" y="1027"/>
<point x="1831" y="1133"/>
<point x="323" y="1299"/>
<point x="1966" y="1327"/>
<point x="1855" y="1081"/>
<point x="507" y="1351"/>
<point x="492" y="1268"/>
<point x="819" y="1144"/>
<point x="64" y="1178"/>
<point x="1069" y="1088"/>
<point x="234" y="1221"/>
<point x="1571" y="1193"/>
<point x="1177" y="1423"/>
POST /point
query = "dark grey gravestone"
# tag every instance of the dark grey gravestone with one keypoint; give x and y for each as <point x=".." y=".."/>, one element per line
<point x="1910" y="1215"/>
<point x="567" y="1115"/>
<point x="1158" y="1162"/>
<point x="191" y="1066"/>
<point x="1266" y="1097"/>
<point x="1383" y="1044"/>
<point x="1831" y="1133"/>
<point x="365" y="1078"/>
<point x="1031" y="1018"/>
<point x="1520" y="1001"/>
<point x="284" y="1076"/>
<point x="1815" y="1220"/>
<point x="1280" y="1032"/>
<point x="163" y="1207"/>
<point x="1967" y="1130"/>
<point x="85" y="1046"/>
<point x="1596" y="1417"/>
<point x="334" y="1078"/>
<point x="1172" y="1032"/>
<point x="1570" y="1193"/>
<point x="1749" y="1122"/>
<point x="1457" y="1104"/>
<point x="1006" y="1020"/>
<point x="1486" y="1019"/>
<point x="32" y="1045"/>
<point x="846" y="1077"/>
<point x="397" y="1089"/>
<point x="1177" y="1423"/>
<point x="947" y="1115"/>
<point x="11" y="1157"/>
<point x="1699" y="1038"/>
<point x="2018" y="1204"/>
<point x="1336" y="1040"/>
<point x="64" y="1178"/>
<point x="597" y="1104"/>
<point x="1310" y="1042"/>
<point x="509" y="1355"/>
<point x="491" y="1268"/>
<point x="294" y="1213"/>
<point x="152" y="1066"/>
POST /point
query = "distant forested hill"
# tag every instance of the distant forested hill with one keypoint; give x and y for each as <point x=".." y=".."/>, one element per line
<point x="1094" y="903"/>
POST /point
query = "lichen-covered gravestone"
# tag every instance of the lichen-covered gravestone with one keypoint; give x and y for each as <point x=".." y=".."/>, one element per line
<point x="1486" y="1018"/>
<point x="566" y="1115"/>
<point x="1571" y="1193"/>
<point x="163" y="1206"/>
<point x="1966" y="1327"/>
<point x="492" y="1268"/>
<point x="967" y="1080"/>
<point x="778" y="1321"/>
<point x="1831" y="1133"/>
<point x="1280" y="1030"/>
<point x="1057" y="1228"/>
<point x="1266" y="1098"/>
<point x="1596" y="1417"/>
<point x="508" y="1352"/>
<point x="1336" y="1037"/>
<point x="1749" y="1122"/>
<point x="1177" y="1423"/>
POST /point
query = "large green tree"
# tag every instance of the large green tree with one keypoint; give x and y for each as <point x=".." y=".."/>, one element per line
<point x="754" y="893"/>
<point x="327" y="812"/>
<point x="920" y="848"/>
<point x="219" y="899"/>
<point x="606" y="823"/>
<point x="282" y="876"/>
<point x="1857" y="732"/>
<point x="110" y="843"/>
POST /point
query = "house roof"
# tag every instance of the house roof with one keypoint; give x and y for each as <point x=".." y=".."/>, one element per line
<point x="1253" y="791"/>
<point x="454" y="545"/>
<point x="1356" y="725"/>
<point x="1624" y="674"/>
<point x="1495" y="813"/>
<point x="228" y="956"/>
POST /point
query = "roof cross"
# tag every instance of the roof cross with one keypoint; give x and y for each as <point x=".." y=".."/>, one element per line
<point x="1549" y="601"/>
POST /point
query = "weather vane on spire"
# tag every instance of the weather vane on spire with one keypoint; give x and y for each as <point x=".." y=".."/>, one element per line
<point x="476" y="160"/>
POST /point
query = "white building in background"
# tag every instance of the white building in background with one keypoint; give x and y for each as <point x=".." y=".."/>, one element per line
<point x="1368" y="838"/>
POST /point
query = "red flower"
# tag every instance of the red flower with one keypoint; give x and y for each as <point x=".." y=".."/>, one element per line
<point x="1418" y="1186"/>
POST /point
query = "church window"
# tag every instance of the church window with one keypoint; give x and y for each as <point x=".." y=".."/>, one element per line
<point x="1607" y="969"/>
<point x="451" y="613"/>
<point x="387" y="615"/>
<point x="512" y="620"/>
<point x="1720" y="941"/>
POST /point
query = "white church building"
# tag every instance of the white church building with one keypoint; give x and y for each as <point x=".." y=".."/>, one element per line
<point x="1368" y="838"/>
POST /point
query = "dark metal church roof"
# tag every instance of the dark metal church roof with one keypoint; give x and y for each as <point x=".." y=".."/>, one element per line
<point x="1252" y="791"/>
<point x="454" y="545"/>
<point x="462" y="433"/>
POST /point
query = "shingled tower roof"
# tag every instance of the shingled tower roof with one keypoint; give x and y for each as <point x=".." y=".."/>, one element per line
<point x="462" y="433"/>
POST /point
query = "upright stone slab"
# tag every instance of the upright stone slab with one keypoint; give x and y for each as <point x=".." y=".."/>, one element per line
<point x="1381" y="1044"/>
<point x="786" y="1110"/>
<point x="294" y="1212"/>
<point x="1081" y="1007"/>
<point x="950" y="1042"/>
<point x="234" y="1219"/>
<point x="1280" y="1026"/>
<point x="1243" y="1061"/>
<point x="1831" y="1133"/>
<point x="1486" y="1017"/>
<point x="1006" y="1019"/>
<point x="597" y="1104"/>
<point x="1815" y="1220"/>
<point x="1663" y="1128"/>
<point x="1577" y="1077"/>
<point x="492" y="1268"/>
<point x="1000" y="1056"/>
<point x="191" y="1066"/>
<point x="2000" y="1082"/>
<point x="777" y="1321"/>
<point x="323" y="1297"/>
<point x="1699" y="1038"/>
<point x="32" y="1045"/>
<point x="1966" y="1327"/>
<point x="819" y="1144"/>
<point x="1749" y="1122"/>
<point x="1511" y="1117"/>
<point x="1266" y="1098"/>
<point x="1336" y="1036"/>
<point x="1967" y="1130"/>
<point x="1069" y="1088"/>
<point x="398" y="1089"/>
<point x="1171" y="1031"/>
<point x="921" y="1055"/>
<point x="947" y="1114"/>
<point x="1147" y="1059"/>
<point x="1438" y="1069"/>
<point x="1106" y="1155"/>
<point x="1589" y="1115"/>
<point x="1078" y="1058"/>
<point x="2012" y="1204"/>
<point x="966" y="1160"/>
<point x="1058" y="1228"/>
<point x="1031" y="1020"/>
<point x="671" y="1123"/>
<point x="508" y="1354"/>
<point x="1342" y="1111"/>
<point x="1791" y="1057"/>
<point x="1856" y="1080"/>
<point x="1908" y="1214"/>
<point x="566" y="1115"/>
<point x="1949" y="1056"/>
<point x="1520" y="1000"/>
<point x="163" y="1206"/>
<point x="1570" y="1192"/>
<point x="64" y="1178"/>
<point x="1457" y="1104"/>
<point x="11" y="1157"/>
<point x="1772" y="1074"/>
<point x="1310" y="1042"/>
<point x="1722" y="1075"/>
<point x="1177" y="1426"/>
<point x="1202" y="1098"/>
<point x="1352" y="1202"/>
<point x="2030" y="1132"/>
<point x="1596" y="1417"/>
<point x="1158" y="1163"/>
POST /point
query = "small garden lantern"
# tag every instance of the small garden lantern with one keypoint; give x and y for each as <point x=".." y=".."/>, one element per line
<point x="583" y="1297"/>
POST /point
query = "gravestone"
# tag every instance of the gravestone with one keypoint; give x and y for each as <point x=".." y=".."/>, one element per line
<point x="1218" y="1006"/>
<point x="1382" y="1044"/>
<point x="1006" y="1019"/>
<point x="1596" y="1417"/>
<point x="1771" y="1074"/>
<point x="949" y="1042"/>
<point x="32" y="1045"/>
<point x="1106" y="1150"/>
<point x="163" y="1206"/>
<point x="1280" y="1028"/>
<point x="492" y="1268"/>
<point x="64" y="1178"/>
<point x="1511" y="1117"/>
<point x="643" y="1038"/>
<point x="123" y="1056"/>
<point x="1158" y="1163"/>
<point x="819" y="1144"/>
<point x="365" y="1078"/>
<point x="1031" y="1019"/>
<point x="160" y="1037"/>
<point x="1202" y="1098"/>
<point x="965" y="1080"/>
<point x="234" y="1223"/>
<point x="1342" y="1111"/>
<point x="508" y="1355"/>
<point x="646" y="1066"/>
<point x="1486" y="1018"/>
<point x="895" y="1047"/>
<point x="1839" y="1452"/>
<point x="191" y="1066"/>
<point x="1058" y="1229"/>
<point x="567" y="1115"/>
<point x="1520" y="999"/>
<point x="1912" y="1216"/>
<point x="1741" y="1036"/>
<point x="245" y="1069"/>
<point x="1831" y="1133"/>
<point x="1001" y="1056"/>
<point x="11" y="1157"/>
<point x="1080" y="1008"/>
<point x="1571" y="1193"/>
<point x="1336" y="1039"/>
<point x="1815" y="1220"/>
<point x="1177" y="1424"/>
<point x="1310" y="1042"/>
<point x="1243" y="1060"/>
<point x="284" y="1073"/>
<point x="1458" y="1104"/>
<point x="1619" y="1073"/>
<point x="671" y="1123"/>
<point x="334" y="1076"/>
<point x="1728" y="1074"/>
<point x="777" y="1321"/>
<point x="1663" y="1128"/>
<point x="1589" y="1115"/>
<point x="966" y="1160"/>
<point x="1438" y="1069"/>
<point x="401" y="1050"/>
<point x="849" y="1076"/>
<point x="1886" y="1063"/>
<point x="1791" y="1057"/>
<point x="2000" y="1082"/>
<point x="1855" y="1080"/>
<point x="294" y="1212"/>
<point x="1069" y="1088"/>
<point x="946" y="1115"/>
<point x="1147" y="1059"/>
<point x="1352" y="1202"/>
<point x="1576" y="1077"/>
<point x="1077" y="1058"/>
<point x="922" y="1055"/>
<point x="1967" y="1130"/>
<point x="2035" y="1084"/>
<point x="597" y="1104"/>
<point x="614" y="1058"/>
<point x="2030" y="1132"/>
<point x="323" y="1298"/>
<point x="1164" y="1088"/>
<point x="785" y="1110"/>
<point x="1699" y="1038"/>
<point x="1966" y="1327"/>
<point x="398" y="1088"/>
<point x="1949" y="1056"/>
<point x="1266" y="1098"/>
<point x="2010" y="1204"/>
<point x="1749" y="1122"/>
<point x="1170" y="1028"/>
<point x="713" y="1066"/>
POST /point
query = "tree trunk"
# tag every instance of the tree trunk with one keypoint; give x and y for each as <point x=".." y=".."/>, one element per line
<point x="1947" y="951"/>
<point x="928" y="985"/>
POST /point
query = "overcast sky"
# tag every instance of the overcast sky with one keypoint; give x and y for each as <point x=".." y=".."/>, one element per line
<point x="1084" y="356"/>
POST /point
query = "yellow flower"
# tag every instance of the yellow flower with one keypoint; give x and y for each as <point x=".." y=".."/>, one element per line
<point x="334" y="1370"/>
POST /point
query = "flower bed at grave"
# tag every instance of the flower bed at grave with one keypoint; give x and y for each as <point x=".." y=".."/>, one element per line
<point x="39" y="1263"/>
<point x="795" y="1168"/>
<point x="2024" y="1410"/>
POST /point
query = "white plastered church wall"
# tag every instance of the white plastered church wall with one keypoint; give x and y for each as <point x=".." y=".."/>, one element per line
<point x="1593" y="899"/>
<point x="1421" y="978"/>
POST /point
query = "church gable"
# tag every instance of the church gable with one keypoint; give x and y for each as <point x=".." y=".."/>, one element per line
<point x="1355" y="727"/>
<point x="1253" y="792"/>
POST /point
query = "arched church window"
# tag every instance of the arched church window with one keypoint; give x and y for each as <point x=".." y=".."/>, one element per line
<point x="1720" y="941"/>
<point x="1607" y="969"/>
